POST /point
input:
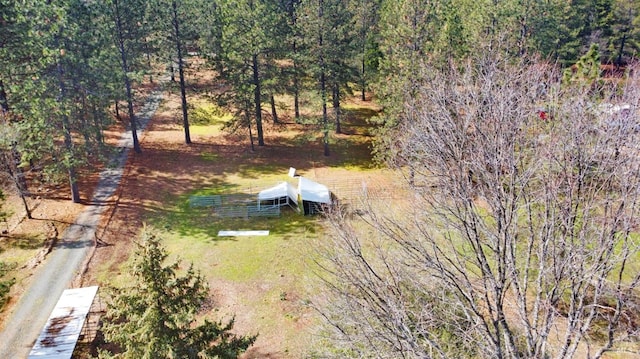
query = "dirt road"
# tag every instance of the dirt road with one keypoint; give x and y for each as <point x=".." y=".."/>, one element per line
<point x="64" y="262"/>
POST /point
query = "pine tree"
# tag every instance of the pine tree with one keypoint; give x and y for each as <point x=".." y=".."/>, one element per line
<point x="408" y="30"/>
<point x="366" y="16"/>
<point x="249" y="38"/>
<point x="154" y="317"/>
<point x="210" y="26"/>
<point x="626" y="33"/>
<point x="126" y="19"/>
<point x="21" y="56"/>
<point x="176" y="23"/>
<point x="329" y="39"/>
<point x="294" y="43"/>
<point x="52" y="89"/>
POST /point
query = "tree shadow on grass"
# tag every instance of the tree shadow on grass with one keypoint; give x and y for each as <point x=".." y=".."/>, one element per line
<point x="345" y="151"/>
<point x="74" y="244"/>
<point x="203" y="222"/>
<point x="356" y="121"/>
<point x="257" y="352"/>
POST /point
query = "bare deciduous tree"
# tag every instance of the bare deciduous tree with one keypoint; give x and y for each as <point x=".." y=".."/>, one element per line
<point x="522" y="232"/>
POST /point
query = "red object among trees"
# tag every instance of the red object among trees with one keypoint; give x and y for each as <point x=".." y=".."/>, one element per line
<point x="543" y="115"/>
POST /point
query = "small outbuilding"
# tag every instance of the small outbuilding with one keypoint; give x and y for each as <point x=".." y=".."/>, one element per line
<point x="279" y="195"/>
<point x="314" y="196"/>
<point x="60" y="335"/>
<point x="310" y="196"/>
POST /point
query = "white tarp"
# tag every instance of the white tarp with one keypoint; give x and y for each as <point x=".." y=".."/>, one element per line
<point x="313" y="191"/>
<point x="281" y="190"/>
<point x="242" y="233"/>
<point x="60" y="335"/>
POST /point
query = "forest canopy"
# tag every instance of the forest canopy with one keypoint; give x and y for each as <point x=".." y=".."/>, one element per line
<point x="67" y="65"/>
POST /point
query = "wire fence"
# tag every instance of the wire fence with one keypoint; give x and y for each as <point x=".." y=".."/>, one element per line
<point x="356" y="192"/>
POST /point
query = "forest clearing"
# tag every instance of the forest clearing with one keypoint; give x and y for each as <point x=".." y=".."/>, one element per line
<point x="263" y="282"/>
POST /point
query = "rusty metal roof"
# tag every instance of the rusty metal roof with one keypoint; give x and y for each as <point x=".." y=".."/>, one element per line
<point x="60" y="335"/>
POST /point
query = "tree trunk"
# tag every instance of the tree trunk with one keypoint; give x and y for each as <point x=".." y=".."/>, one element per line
<point x="66" y="126"/>
<point x="183" y="88"/>
<point x="4" y="104"/>
<point x="296" y="87"/>
<point x="84" y="117"/>
<point x="97" y="123"/>
<point x="13" y="157"/>
<point x="132" y="116"/>
<point x="73" y="183"/>
<point x="619" y="60"/>
<point x="364" y="81"/>
<point x="68" y="144"/>
<point x="257" y="100"/>
<point x="17" y="176"/>
<point x="127" y="81"/>
<point x="323" y="85"/>
<point x="325" y="118"/>
<point x="336" y="106"/>
<point x="148" y="55"/>
<point x="248" y="119"/>
<point x="274" y="113"/>
<point x="25" y="205"/>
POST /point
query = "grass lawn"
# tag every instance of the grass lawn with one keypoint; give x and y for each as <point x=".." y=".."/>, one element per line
<point x="268" y="275"/>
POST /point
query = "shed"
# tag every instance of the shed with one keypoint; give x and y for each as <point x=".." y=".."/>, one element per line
<point x="313" y="195"/>
<point x="278" y="195"/>
<point x="61" y="332"/>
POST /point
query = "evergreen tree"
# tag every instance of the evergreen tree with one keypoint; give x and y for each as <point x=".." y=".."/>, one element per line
<point x="249" y="40"/>
<point x="77" y="79"/>
<point x="126" y="19"/>
<point x="341" y="49"/>
<point x="408" y="29"/>
<point x="22" y="56"/>
<point x="294" y="42"/>
<point x="210" y="26"/>
<point x="53" y="89"/>
<point x="279" y="58"/>
<point x="327" y="32"/>
<point x="154" y="317"/>
<point x="176" y="23"/>
<point x="366" y="17"/>
<point x="624" y="42"/>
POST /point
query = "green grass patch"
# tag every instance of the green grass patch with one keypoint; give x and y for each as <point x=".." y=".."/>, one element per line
<point x="207" y="114"/>
<point x="245" y="259"/>
<point x="205" y="130"/>
<point x="14" y="253"/>
<point x="209" y="156"/>
<point x="269" y="274"/>
<point x="207" y="119"/>
<point x="192" y="234"/>
<point x="20" y="249"/>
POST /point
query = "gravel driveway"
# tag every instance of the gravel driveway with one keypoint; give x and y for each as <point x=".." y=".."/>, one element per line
<point x="64" y="262"/>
